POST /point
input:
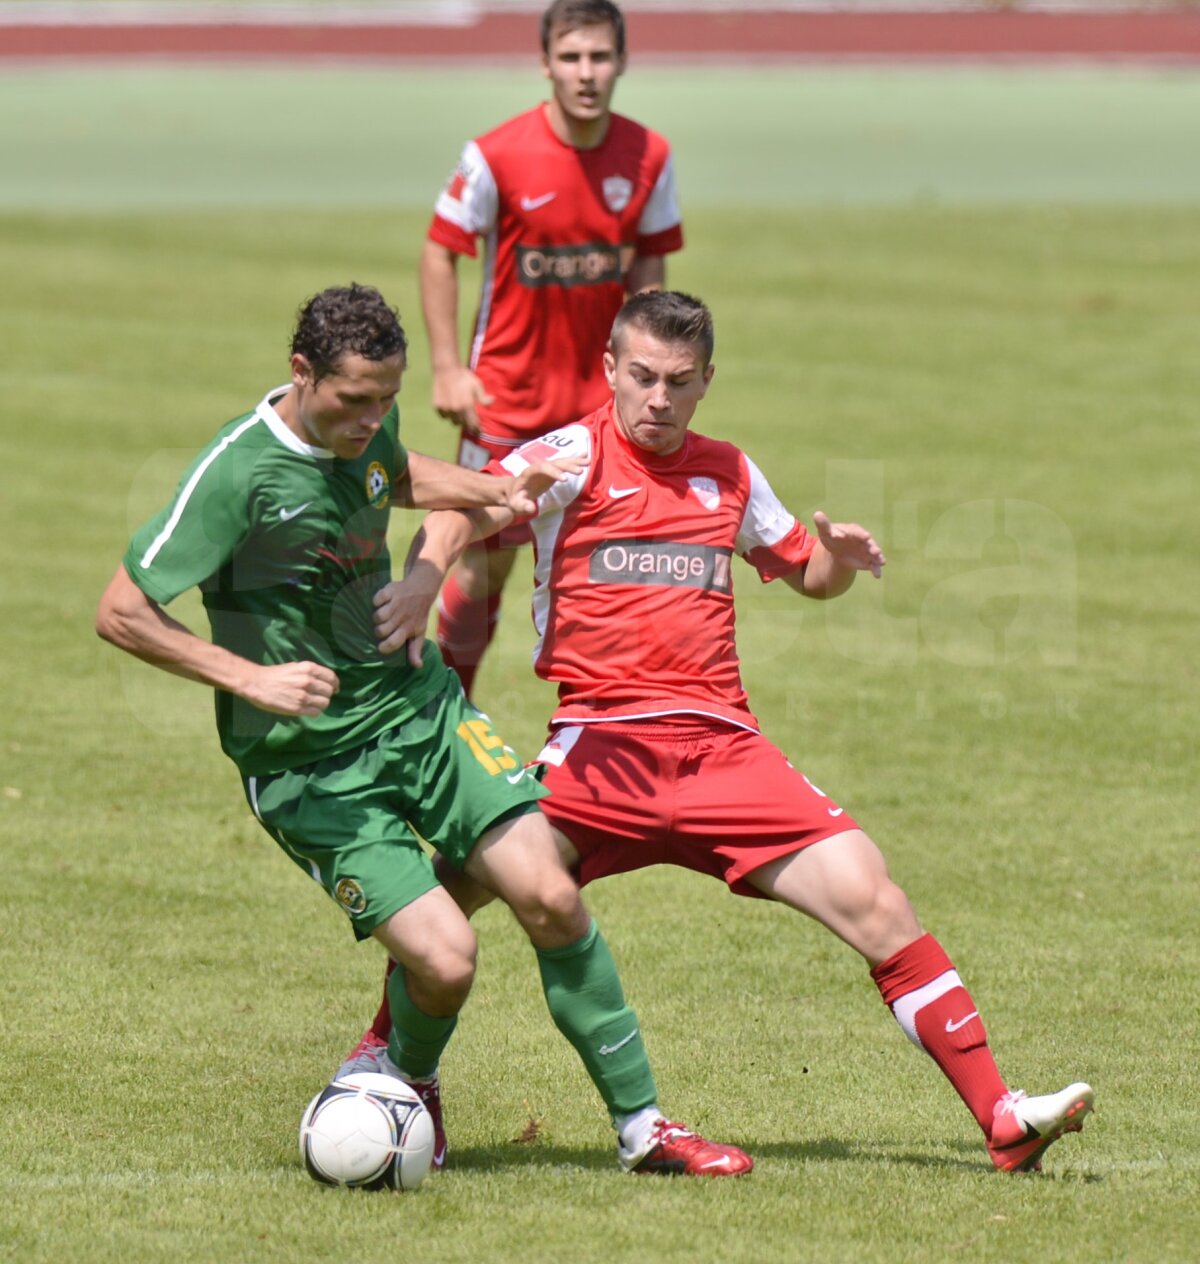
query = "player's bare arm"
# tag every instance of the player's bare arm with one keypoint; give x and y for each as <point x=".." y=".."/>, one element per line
<point x="135" y="623"/>
<point x="456" y="390"/>
<point x="843" y="549"/>
<point x="402" y="607"/>
<point x="646" y="272"/>
<point x="434" y="484"/>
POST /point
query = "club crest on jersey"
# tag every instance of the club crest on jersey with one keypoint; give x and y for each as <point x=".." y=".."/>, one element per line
<point x="350" y="896"/>
<point x="706" y="492"/>
<point x="617" y="192"/>
<point x="377" y="485"/>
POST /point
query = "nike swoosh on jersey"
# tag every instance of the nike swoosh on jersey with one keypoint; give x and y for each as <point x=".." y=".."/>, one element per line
<point x="532" y="204"/>
<point x="286" y="515"/>
<point x="619" y="493"/>
<point x="962" y="1022"/>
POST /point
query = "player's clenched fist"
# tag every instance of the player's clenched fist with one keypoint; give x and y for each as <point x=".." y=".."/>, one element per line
<point x="292" y="688"/>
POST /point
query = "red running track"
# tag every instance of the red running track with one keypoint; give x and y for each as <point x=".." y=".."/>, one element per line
<point x="760" y="34"/>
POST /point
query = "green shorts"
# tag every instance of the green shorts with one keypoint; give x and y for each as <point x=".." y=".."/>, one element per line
<point x="355" y="822"/>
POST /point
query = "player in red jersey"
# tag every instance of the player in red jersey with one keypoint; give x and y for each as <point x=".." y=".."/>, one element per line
<point x="577" y="207"/>
<point x="653" y="755"/>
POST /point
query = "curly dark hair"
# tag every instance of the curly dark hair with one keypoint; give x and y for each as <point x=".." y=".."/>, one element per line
<point x="669" y="316"/>
<point x="347" y="318"/>
<point x="570" y="15"/>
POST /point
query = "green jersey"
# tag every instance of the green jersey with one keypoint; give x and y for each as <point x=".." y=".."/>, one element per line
<point x="288" y="545"/>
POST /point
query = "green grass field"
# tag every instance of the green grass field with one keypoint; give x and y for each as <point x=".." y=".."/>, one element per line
<point x="1003" y="381"/>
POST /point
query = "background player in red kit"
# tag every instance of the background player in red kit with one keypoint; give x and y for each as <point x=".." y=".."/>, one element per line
<point x="577" y="207"/>
<point x="654" y="756"/>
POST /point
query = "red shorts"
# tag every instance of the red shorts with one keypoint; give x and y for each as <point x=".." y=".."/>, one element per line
<point x="680" y="791"/>
<point x="475" y="453"/>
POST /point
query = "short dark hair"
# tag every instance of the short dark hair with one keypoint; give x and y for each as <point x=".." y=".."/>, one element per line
<point x="570" y="15"/>
<point x="347" y="318"/>
<point x="669" y="316"/>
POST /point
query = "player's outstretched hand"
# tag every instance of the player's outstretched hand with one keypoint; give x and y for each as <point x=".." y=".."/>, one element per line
<point x="524" y="490"/>
<point x="850" y="545"/>
<point x="402" y="615"/>
<point x="456" y="391"/>
<point x="291" y="688"/>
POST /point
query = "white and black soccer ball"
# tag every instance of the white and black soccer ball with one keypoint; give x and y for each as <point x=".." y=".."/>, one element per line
<point x="367" y="1131"/>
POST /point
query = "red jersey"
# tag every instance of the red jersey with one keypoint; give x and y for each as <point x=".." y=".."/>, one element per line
<point x="633" y="596"/>
<point x="561" y="228"/>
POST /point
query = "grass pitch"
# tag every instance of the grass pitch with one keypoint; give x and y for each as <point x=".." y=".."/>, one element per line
<point x="1009" y="395"/>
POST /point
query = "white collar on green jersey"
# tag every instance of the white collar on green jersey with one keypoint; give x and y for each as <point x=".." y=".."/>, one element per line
<point x="266" y="410"/>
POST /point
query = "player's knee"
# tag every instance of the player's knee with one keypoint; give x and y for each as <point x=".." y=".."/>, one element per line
<point x="887" y="923"/>
<point x="870" y="901"/>
<point x="449" y="972"/>
<point x="553" y="914"/>
<point x="893" y="910"/>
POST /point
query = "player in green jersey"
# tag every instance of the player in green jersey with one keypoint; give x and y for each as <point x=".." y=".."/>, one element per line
<point x="349" y="757"/>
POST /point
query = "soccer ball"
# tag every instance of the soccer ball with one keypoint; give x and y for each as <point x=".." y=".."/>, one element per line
<point x="367" y="1131"/>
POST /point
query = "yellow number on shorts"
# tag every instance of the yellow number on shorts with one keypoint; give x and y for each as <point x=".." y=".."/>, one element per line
<point x="479" y="737"/>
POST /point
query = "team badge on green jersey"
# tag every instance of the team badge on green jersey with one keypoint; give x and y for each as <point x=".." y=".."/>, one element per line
<point x="377" y="485"/>
<point x="350" y="896"/>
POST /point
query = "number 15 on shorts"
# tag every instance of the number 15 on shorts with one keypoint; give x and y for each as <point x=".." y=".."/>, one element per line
<point x="487" y="746"/>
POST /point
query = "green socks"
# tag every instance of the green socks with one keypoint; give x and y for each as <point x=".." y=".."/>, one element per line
<point x="588" y="1006"/>
<point x="417" y="1038"/>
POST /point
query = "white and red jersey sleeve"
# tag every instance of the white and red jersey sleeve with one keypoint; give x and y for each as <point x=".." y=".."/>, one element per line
<point x="633" y="596"/>
<point x="466" y="207"/>
<point x="561" y="227"/>
<point x="770" y="538"/>
<point x="659" y="230"/>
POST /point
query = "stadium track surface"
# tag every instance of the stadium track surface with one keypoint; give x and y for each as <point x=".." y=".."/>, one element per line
<point x="1169" y="34"/>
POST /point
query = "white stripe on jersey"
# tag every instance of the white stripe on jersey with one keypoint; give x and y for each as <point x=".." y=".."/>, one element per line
<point x="487" y="290"/>
<point x="181" y="501"/>
<point x="766" y="520"/>
<point x="630" y="717"/>
<point x="662" y="209"/>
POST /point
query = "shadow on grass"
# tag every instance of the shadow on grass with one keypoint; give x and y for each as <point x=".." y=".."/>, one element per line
<point x="822" y="1150"/>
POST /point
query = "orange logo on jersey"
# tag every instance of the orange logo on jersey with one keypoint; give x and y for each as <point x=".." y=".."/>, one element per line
<point x="593" y="264"/>
<point x="662" y="562"/>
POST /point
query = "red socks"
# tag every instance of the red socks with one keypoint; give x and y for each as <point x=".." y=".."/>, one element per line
<point x="937" y="1014"/>
<point x="934" y="1010"/>
<point x="465" y="628"/>
<point x="382" y="1025"/>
